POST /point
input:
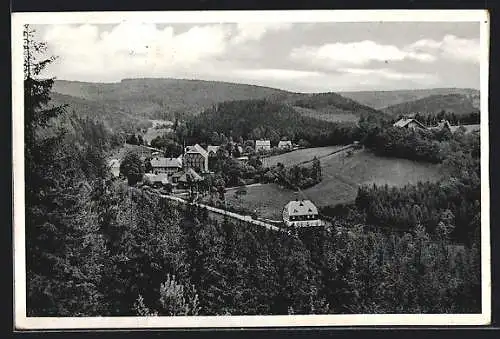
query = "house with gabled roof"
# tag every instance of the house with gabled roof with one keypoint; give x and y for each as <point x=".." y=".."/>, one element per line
<point x="196" y="157"/>
<point x="166" y="165"/>
<point x="301" y="213"/>
<point x="409" y="123"/>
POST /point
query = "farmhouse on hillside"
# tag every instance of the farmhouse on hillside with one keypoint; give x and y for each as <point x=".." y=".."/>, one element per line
<point x="443" y="124"/>
<point x="262" y="145"/>
<point x="184" y="178"/>
<point x="454" y="128"/>
<point x="196" y="157"/>
<point x="301" y="213"/>
<point x="284" y="144"/>
<point x="166" y="165"/>
<point x="409" y="123"/>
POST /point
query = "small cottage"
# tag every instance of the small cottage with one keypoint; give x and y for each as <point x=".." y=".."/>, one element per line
<point x="285" y="144"/>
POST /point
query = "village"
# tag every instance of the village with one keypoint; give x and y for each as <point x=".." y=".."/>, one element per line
<point x="184" y="177"/>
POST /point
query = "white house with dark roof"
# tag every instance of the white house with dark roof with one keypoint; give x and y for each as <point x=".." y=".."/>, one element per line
<point x="196" y="157"/>
<point x="301" y="213"/>
<point x="166" y="165"/>
<point x="262" y="145"/>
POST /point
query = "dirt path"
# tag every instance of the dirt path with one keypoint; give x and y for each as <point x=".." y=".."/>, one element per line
<point x="219" y="211"/>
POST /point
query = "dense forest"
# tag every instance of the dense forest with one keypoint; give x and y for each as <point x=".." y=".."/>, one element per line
<point x="257" y="119"/>
<point x="432" y="146"/>
<point x="96" y="246"/>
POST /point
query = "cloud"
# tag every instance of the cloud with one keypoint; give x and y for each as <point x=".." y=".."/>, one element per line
<point x="134" y="48"/>
<point x="354" y="53"/>
<point x="389" y="74"/>
<point x="450" y="47"/>
<point x="254" y="31"/>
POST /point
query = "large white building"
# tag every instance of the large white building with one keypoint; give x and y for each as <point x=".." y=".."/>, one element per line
<point x="301" y="213"/>
<point x="262" y="145"/>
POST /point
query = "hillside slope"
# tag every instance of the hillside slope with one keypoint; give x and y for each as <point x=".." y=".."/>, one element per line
<point x="383" y="99"/>
<point x="459" y="104"/>
<point x="162" y="98"/>
<point x="341" y="178"/>
<point x="329" y="106"/>
<point x="256" y="119"/>
<point x="114" y="116"/>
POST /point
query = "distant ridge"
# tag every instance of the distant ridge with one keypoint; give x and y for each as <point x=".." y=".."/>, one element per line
<point x="383" y="99"/>
<point x="460" y="104"/>
<point x="168" y="97"/>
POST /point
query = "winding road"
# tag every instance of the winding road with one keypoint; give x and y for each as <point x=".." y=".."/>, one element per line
<point x="245" y="218"/>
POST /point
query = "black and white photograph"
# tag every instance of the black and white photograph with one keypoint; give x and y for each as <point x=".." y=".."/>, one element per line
<point x="250" y="169"/>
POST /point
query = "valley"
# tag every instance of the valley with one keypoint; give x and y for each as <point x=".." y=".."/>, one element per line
<point x="342" y="176"/>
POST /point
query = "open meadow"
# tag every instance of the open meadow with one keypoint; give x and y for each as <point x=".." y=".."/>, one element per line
<point x="341" y="178"/>
<point x="299" y="156"/>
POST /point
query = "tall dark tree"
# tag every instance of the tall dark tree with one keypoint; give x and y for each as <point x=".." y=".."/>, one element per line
<point x="132" y="168"/>
<point x="63" y="244"/>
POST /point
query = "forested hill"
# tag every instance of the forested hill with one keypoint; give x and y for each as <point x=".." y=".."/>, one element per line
<point x="162" y="98"/>
<point x="328" y="103"/>
<point x="167" y="98"/>
<point x="112" y="115"/>
<point x="256" y="119"/>
<point x="459" y="104"/>
<point x="383" y="99"/>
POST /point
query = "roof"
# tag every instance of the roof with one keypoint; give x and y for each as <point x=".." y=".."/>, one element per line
<point x="161" y="177"/>
<point x="196" y="149"/>
<point x="166" y="162"/>
<point x="212" y="148"/>
<point x="190" y="173"/>
<point x="242" y="158"/>
<point x="262" y="143"/>
<point x="405" y="121"/>
<point x="285" y="142"/>
<point x="301" y="207"/>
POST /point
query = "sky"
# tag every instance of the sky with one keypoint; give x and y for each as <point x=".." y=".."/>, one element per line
<point x="299" y="57"/>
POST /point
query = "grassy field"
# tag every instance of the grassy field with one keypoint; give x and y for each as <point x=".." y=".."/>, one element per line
<point x="298" y="156"/>
<point x="341" y="178"/>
